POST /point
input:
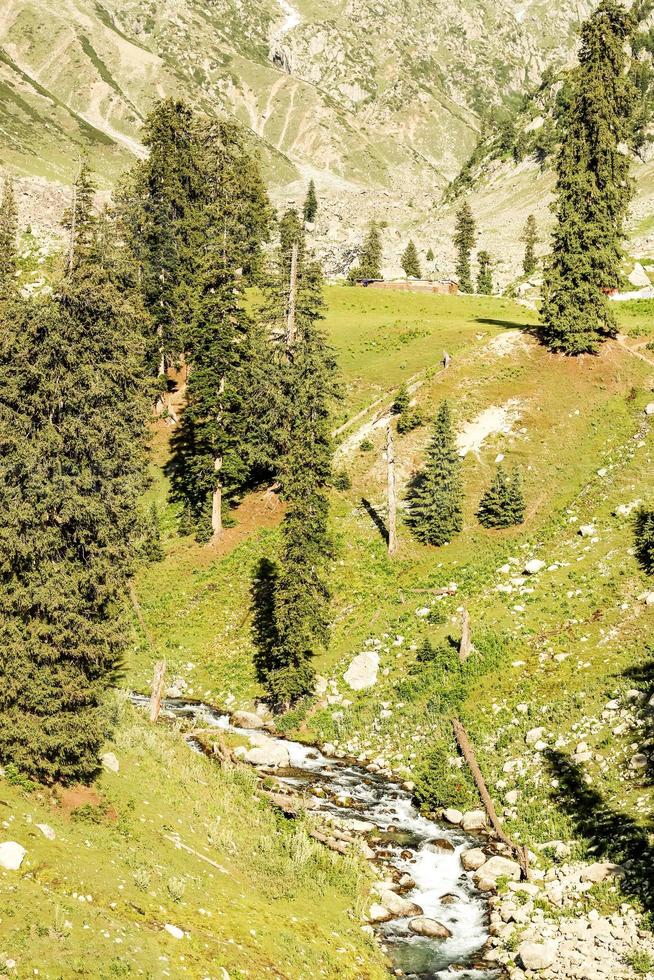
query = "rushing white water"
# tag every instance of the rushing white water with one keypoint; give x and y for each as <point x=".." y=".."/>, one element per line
<point x="351" y="792"/>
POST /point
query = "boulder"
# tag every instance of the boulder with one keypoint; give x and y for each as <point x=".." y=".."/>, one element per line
<point x="453" y="816"/>
<point x="11" y="855"/>
<point x="649" y="409"/>
<point x="449" y="899"/>
<point x="271" y="754"/>
<point x="537" y="956"/>
<point x="110" y="762"/>
<point x="174" y="931"/>
<point x="587" y="530"/>
<point x="638" y="761"/>
<point x="500" y="867"/>
<point x="430" y="928"/>
<point x="440" y="844"/>
<point x="600" y="871"/>
<point x="47" y="831"/>
<point x="363" y="670"/>
<point x="534" y="735"/>
<point x="473" y="859"/>
<point x="638" y="277"/>
<point x="534" y="566"/>
<point x="474" y="821"/>
<point x="379" y="913"/>
<point x="247" y="719"/>
<point x="400" y="907"/>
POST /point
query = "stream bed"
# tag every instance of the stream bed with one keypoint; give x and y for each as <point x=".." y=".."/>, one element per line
<point x="404" y="841"/>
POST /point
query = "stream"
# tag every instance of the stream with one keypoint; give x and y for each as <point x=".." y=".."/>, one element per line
<point x="338" y="788"/>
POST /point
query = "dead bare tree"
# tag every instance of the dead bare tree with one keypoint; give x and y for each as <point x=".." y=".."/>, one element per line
<point x="392" y="497"/>
<point x="157" y="690"/>
<point x="292" y="299"/>
<point x="467" y="751"/>
<point x="465" y="647"/>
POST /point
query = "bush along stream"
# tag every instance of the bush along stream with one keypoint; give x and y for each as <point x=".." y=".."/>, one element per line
<point x="426" y="909"/>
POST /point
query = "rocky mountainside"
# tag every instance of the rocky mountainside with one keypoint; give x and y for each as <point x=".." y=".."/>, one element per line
<point x="366" y="91"/>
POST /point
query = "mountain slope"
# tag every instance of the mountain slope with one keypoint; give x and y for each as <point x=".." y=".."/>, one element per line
<point x="358" y="89"/>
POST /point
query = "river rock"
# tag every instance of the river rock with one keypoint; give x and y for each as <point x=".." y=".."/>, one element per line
<point x="440" y="844"/>
<point x="500" y="867"/>
<point x="449" y="899"/>
<point x="473" y="859"/>
<point x="379" y="913"/>
<point x="430" y="928"/>
<point x="537" y="956"/>
<point x="110" y="762"/>
<point x="362" y="672"/>
<point x="247" y="719"/>
<point x="398" y="906"/>
<point x="11" y="855"/>
<point x="270" y="754"/>
<point x="474" y="820"/>
<point x="453" y="816"/>
<point x="406" y="883"/>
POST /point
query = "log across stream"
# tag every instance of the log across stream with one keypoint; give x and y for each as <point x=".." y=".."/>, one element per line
<point x="407" y="844"/>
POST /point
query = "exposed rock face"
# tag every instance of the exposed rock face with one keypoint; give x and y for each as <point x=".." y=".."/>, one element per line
<point x="362" y="672"/>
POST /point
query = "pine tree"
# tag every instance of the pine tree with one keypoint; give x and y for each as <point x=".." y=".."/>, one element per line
<point x="644" y="539"/>
<point x="73" y="416"/>
<point x="530" y="240"/>
<point x="485" y="274"/>
<point x="464" y="241"/>
<point x="430" y="255"/>
<point x="593" y="189"/>
<point x="370" y="257"/>
<point x="402" y="400"/>
<point x="8" y="238"/>
<point x="435" y="497"/>
<point x="311" y="203"/>
<point x="411" y="262"/>
<point x="503" y="504"/>
<point x="303" y="372"/>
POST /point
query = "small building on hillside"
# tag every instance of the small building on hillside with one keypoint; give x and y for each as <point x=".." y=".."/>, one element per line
<point x="442" y="287"/>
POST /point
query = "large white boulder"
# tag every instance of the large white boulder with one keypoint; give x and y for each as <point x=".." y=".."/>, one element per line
<point x="537" y="956"/>
<point x="534" y="566"/>
<point x="247" y="719"/>
<point x="363" y="670"/>
<point x="423" y="926"/>
<point x="474" y="820"/>
<point x="11" y="855"/>
<point x="110" y="762"/>
<point x="500" y="867"/>
<point x="398" y="906"/>
<point x="269" y="753"/>
<point x="638" y="277"/>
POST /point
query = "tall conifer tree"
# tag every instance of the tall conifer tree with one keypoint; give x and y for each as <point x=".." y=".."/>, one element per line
<point x="8" y="241"/>
<point x="484" y="274"/>
<point x="593" y="188"/>
<point x="435" y="498"/>
<point x="411" y="262"/>
<point x="73" y="413"/>
<point x="464" y="241"/>
<point x="370" y="257"/>
<point x="311" y="203"/>
<point x="530" y="240"/>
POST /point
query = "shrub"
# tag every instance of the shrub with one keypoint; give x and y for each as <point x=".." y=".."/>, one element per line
<point x="644" y="539"/>
<point x="342" y="481"/>
<point x="408" y="421"/>
<point x="366" y="446"/>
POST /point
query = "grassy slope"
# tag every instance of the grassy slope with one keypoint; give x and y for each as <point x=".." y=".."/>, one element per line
<point x="575" y="418"/>
<point x="272" y="903"/>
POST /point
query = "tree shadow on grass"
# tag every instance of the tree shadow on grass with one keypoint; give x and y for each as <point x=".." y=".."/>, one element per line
<point x="507" y="324"/>
<point x="614" y="835"/>
<point x="377" y="519"/>
<point x="264" y="629"/>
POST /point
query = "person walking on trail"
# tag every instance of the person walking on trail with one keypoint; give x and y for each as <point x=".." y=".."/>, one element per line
<point x="446" y="360"/>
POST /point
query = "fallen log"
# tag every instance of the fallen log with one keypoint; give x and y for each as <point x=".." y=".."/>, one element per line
<point x="521" y="852"/>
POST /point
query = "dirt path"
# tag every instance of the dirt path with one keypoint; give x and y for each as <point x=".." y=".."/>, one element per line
<point x="622" y="342"/>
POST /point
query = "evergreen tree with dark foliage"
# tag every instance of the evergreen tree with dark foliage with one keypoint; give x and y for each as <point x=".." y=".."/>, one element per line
<point x="370" y="258"/>
<point x="503" y="503"/>
<point x="464" y="241"/>
<point x="435" y="497"/>
<point x="485" y="274"/>
<point x="644" y="539"/>
<point x="311" y="203"/>
<point x="8" y="240"/>
<point x="530" y="241"/>
<point x="411" y="262"/>
<point x="402" y="400"/>
<point x="593" y="189"/>
<point x="74" y="407"/>
<point x="303" y="373"/>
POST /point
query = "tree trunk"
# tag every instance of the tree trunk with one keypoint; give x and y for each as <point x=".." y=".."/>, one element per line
<point x="467" y="751"/>
<point x="465" y="647"/>
<point x="73" y="229"/>
<point x="157" y="690"/>
<point x="292" y="300"/>
<point x="217" y="507"/>
<point x="392" y="499"/>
